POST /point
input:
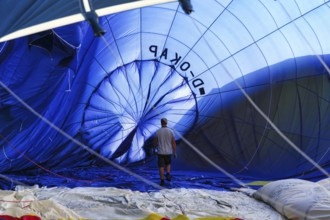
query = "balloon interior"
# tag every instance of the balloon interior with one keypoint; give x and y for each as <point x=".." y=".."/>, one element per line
<point x="246" y="93"/>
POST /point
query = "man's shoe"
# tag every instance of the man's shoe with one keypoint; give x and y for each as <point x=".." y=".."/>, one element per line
<point x="168" y="177"/>
<point x="162" y="182"/>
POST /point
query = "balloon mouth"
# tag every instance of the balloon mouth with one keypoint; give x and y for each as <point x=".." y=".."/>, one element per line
<point x="125" y="109"/>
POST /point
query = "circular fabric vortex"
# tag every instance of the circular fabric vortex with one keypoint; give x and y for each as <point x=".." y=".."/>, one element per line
<point x="125" y="109"/>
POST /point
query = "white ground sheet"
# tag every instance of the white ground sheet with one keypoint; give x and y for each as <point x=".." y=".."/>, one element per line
<point x="114" y="204"/>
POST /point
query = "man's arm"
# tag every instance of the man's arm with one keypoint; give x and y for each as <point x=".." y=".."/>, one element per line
<point x="174" y="146"/>
<point x="155" y="145"/>
<point x="155" y="141"/>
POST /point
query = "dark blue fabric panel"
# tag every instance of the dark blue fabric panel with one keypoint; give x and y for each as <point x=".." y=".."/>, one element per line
<point x="26" y="13"/>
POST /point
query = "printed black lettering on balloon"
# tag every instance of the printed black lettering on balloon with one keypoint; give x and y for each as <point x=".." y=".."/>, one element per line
<point x="185" y="66"/>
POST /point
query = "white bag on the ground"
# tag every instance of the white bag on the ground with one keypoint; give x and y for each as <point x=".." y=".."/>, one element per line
<point x="297" y="199"/>
<point x="325" y="183"/>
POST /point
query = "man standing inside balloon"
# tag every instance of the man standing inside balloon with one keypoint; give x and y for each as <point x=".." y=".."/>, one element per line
<point x="165" y="141"/>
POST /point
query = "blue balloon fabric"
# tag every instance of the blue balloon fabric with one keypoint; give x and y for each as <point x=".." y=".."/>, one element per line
<point x="110" y="92"/>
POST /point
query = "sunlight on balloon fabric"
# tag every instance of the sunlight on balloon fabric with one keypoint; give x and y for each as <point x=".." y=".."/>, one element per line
<point x="110" y="92"/>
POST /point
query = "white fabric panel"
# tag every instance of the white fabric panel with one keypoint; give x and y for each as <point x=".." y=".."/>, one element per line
<point x="113" y="204"/>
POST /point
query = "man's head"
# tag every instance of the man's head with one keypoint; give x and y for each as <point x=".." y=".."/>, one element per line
<point x="163" y="121"/>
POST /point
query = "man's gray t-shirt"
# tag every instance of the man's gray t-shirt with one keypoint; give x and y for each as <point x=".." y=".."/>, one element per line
<point x="164" y="136"/>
